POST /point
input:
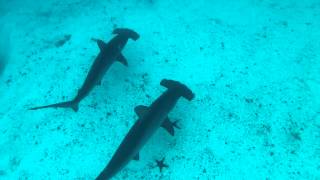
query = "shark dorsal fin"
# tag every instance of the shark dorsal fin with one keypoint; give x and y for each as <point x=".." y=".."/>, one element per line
<point x="141" y="110"/>
<point x="102" y="45"/>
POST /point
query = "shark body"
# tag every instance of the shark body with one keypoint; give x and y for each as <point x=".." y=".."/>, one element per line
<point x="150" y="119"/>
<point x="109" y="53"/>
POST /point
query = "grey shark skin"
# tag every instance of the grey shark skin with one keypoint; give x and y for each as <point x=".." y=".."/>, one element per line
<point x="109" y="53"/>
<point x="150" y="119"/>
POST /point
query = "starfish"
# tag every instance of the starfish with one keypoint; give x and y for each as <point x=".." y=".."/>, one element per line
<point x="161" y="164"/>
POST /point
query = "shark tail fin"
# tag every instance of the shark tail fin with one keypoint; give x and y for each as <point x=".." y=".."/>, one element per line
<point x="69" y="104"/>
<point x="127" y="32"/>
<point x="183" y="89"/>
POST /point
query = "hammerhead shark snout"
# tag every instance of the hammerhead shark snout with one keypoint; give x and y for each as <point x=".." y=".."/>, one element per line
<point x="181" y="88"/>
<point x="126" y="32"/>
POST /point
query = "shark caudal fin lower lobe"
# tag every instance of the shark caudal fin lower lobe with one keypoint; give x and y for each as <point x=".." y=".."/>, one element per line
<point x="74" y="105"/>
<point x="126" y="32"/>
<point x="183" y="89"/>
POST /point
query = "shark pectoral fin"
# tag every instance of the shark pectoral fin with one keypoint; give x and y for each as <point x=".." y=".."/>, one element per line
<point x="141" y="110"/>
<point x="122" y="59"/>
<point x="136" y="157"/>
<point x="169" y="126"/>
<point x="102" y="45"/>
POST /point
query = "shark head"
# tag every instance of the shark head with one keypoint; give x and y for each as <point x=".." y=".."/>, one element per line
<point x="128" y="33"/>
<point x="182" y="89"/>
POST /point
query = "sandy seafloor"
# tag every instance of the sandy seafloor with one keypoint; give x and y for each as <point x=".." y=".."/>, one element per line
<point x="254" y="66"/>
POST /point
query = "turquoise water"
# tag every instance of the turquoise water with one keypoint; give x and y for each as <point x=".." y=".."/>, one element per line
<point x="252" y="64"/>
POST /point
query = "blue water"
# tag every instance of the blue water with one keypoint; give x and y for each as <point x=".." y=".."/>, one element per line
<point x="254" y="66"/>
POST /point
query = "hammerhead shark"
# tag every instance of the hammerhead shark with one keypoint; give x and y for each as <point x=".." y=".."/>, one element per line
<point x="150" y="119"/>
<point x="109" y="53"/>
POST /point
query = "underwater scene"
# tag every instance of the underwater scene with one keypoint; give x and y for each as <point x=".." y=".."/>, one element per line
<point x="159" y="89"/>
